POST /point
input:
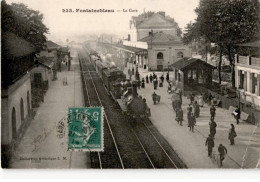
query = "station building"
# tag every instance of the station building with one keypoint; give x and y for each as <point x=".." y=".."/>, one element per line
<point x="156" y="37"/>
<point x="247" y="79"/>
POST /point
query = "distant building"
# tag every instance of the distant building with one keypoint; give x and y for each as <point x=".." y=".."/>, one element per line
<point x="157" y="35"/>
<point x="51" y="51"/>
<point x="17" y="61"/>
<point x="164" y="49"/>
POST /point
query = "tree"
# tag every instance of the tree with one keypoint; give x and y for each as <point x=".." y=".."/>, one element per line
<point x="227" y="23"/>
<point x="24" y="22"/>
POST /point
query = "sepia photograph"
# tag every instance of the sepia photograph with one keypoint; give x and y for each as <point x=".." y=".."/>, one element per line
<point x="130" y="84"/>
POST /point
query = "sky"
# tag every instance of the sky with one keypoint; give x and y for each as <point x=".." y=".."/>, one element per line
<point x="64" y="24"/>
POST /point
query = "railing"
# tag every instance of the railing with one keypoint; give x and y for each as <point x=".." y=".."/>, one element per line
<point x="255" y="61"/>
<point x="242" y="59"/>
<point x="248" y="60"/>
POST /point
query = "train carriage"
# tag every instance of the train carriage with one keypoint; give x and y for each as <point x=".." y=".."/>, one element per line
<point x="112" y="78"/>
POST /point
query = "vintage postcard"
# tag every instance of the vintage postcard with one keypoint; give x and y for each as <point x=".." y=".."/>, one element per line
<point x="130" y="84"/>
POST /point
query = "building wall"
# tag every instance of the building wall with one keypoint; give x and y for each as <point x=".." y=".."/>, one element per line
<point x="246" y="92"/>
<point x="4" y="121"/>
<point x="169" y="54"/>
<point x="137" y="34"/>
<point x="141" y="33"/>
<point x="45" y="72"/>
<point x="12" y="97"/>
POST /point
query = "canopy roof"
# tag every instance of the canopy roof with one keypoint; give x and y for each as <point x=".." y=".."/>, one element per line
<point x="129" y="48"/>
<point x="185" y="62"/>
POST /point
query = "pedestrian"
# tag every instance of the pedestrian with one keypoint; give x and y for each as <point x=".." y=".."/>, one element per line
<point x="212" y="112"/>
<point x="189" y="108"/>
<point x="162" y="78"/>
<point x="69" y="63"/>
<point x="154" y="75"/>
<point x="212" y="128"/>
<point x="156" y="98"/>
<point x="179" y="115"/>
<point x="167" y="77"/>
<point x="237" y="114"/>
<point x="156" y="81"/>
<point x="143" y="84"/>
<point x="154" y="84"/>
<point x="147" y="79"/>
<point x="191" y="121"/>
<point x="180" y="94"/>
<point x="191" y="98"/>
<point x="151" y="78"/>
<point x="209" y="98"/>
<point x="200" y="100"/>
<point x="138" y="84"/>
<point x="169" y="87"/>
<point x="232" y="134"/>
<point x="210" y="144"/>
<point x="138" y="76"/>
<point x="160" y="83"/>
<point x="196" y="109"/>
<point x="222" y="153"/>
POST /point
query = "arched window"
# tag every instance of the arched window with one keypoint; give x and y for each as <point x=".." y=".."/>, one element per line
<point x="14" y="123"/>
<point x="179" y="55"/>
<point x="22" y="109"/>
<point x="160" y="55"/>
<point x="28" y="102"/>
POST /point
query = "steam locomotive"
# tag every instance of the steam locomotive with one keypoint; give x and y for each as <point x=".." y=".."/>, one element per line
<point x="123" y="91"/>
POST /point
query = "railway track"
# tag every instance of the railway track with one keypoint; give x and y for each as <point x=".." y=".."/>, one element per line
<point x="145" y="149"/>
<point x="93" y="99"/>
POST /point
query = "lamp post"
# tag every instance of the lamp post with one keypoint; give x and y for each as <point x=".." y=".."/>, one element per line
<point x="168" y="67"/>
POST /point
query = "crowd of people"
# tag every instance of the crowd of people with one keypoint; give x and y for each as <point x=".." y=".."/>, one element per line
<point x="193" y="112"/>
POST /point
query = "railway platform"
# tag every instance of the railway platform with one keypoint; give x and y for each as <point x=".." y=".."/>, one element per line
<point x="191" y="146"/>
<point x="41" y="147"/>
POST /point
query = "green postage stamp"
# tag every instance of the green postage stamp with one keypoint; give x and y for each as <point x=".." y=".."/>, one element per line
<point x="85" y="127"/>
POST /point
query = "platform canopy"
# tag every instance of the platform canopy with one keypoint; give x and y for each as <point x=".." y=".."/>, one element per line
<point x="130" y="49"/>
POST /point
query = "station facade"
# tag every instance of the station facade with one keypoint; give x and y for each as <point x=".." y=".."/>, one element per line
<point x="158" y="35"/>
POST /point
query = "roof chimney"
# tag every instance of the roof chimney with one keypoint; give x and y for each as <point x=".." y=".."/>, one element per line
<point x="162" y="13"/>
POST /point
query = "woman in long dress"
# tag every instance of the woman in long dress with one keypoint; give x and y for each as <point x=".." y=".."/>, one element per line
<point x="200" y="101"/>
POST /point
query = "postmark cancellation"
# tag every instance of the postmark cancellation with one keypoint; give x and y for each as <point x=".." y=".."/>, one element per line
<point x="85" y="129"/>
